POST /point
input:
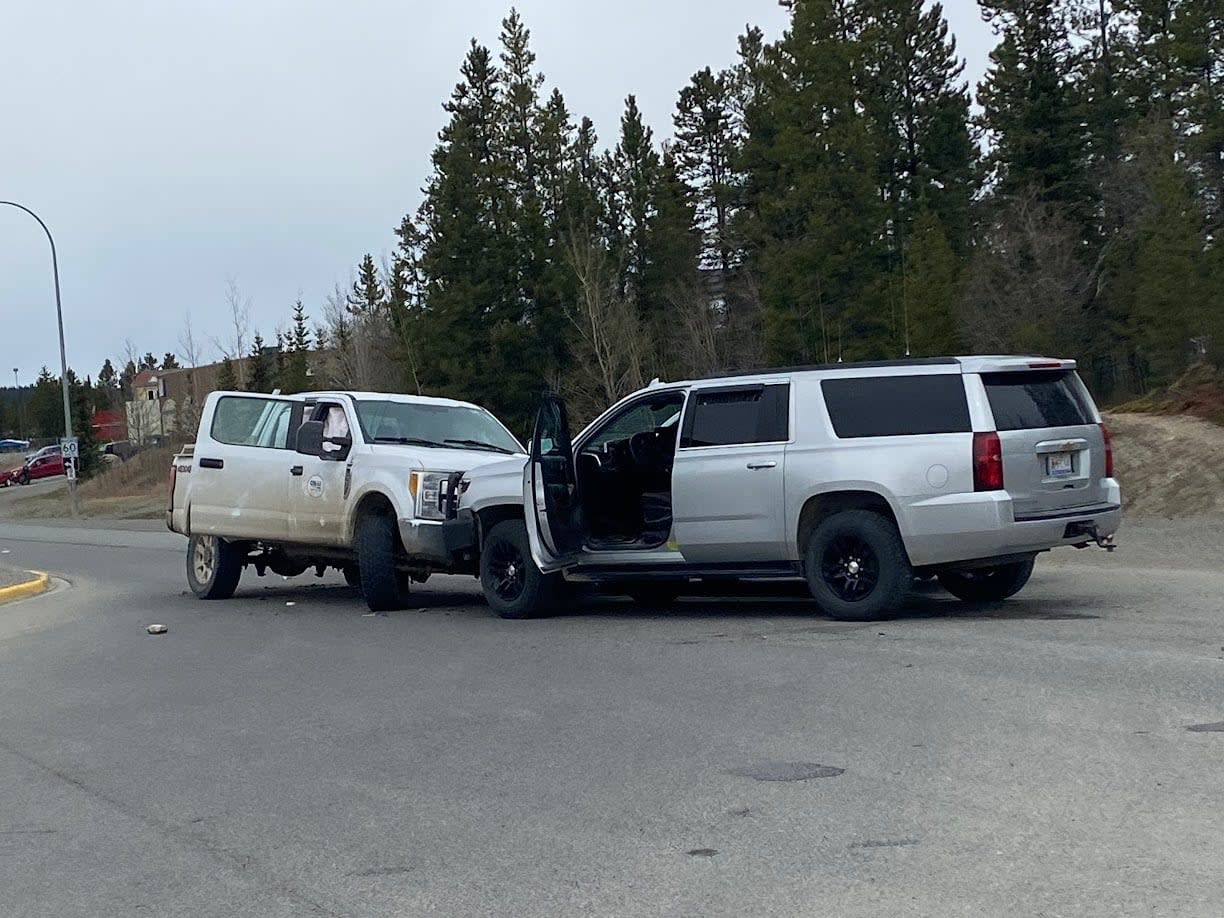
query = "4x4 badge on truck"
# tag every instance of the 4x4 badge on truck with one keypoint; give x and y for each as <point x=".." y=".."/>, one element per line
<point x="314" y="487"/>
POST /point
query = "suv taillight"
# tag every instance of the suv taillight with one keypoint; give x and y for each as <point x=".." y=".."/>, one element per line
<point x="1108" y="450"/>
<point x="987" y="462"/>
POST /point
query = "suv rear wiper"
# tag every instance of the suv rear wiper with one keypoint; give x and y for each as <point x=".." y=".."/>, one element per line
<point x="480" y="444"/>
<point x="409" y="441"/>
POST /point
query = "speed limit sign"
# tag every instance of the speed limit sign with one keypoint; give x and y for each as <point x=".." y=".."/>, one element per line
<point x="72" y="447"/>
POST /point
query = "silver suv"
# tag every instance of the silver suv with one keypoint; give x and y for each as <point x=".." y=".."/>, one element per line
<point x="857" y="477"/>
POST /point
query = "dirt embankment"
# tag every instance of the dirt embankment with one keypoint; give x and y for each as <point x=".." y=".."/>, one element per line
<point x="1169" y="466"/>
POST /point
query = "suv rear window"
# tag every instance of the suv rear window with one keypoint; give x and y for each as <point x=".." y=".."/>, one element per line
<point x="1032" y="400"/>
<point x="897" y="406"/>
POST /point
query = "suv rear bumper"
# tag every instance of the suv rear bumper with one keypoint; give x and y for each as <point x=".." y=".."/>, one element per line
<point x="971" y="526"/>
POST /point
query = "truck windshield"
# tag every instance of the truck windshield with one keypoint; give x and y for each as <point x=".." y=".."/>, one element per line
<point x="418" y="424"/>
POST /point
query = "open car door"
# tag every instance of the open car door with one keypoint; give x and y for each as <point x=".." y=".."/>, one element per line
<point x="555" y="521"/>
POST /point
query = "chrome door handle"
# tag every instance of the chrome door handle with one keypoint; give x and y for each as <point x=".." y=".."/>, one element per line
<point x="763" y="465"/>
<point x="296" y="470"/>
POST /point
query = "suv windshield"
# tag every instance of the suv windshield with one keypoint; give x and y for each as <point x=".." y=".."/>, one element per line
<point x="419" y="424"/>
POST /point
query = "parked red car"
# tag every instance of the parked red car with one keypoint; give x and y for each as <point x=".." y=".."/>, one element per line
<point x="44" y="466"/>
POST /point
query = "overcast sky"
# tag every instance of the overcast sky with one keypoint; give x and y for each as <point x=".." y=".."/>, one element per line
<point x="172" y="144"/>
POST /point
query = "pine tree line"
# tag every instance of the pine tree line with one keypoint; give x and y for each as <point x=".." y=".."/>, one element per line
<point x="831" y="196"/>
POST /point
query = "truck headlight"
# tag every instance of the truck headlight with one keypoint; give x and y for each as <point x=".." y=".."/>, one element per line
<point x="425" y="488"/>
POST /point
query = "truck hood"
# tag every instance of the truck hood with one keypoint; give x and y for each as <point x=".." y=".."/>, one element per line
<point x="443" y="460"/>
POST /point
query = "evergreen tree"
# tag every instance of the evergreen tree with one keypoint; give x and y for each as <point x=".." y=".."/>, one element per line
<point x="227" y="380"/>
<point x="293" y="375"/>
<point x="366" y="298"/>
<point x="1173" y="298"/>
<point x="107" y="387"/>
<point x="1029" y="108"/>
<point x="707" y="143"/>
<point x="262" y="366"/>
<point x="80" y="398"/>
<point x="932" y="290"/>
<point x="634" y="176"/>
<point x="170" y="362"/>
<point x="813" y="217"/>
<point x="44" y="409"/>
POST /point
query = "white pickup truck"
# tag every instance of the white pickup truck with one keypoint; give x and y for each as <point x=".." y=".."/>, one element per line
<point x="351" y="480"/>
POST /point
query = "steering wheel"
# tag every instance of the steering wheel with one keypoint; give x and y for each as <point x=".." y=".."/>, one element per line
<point x="642" y="449"/>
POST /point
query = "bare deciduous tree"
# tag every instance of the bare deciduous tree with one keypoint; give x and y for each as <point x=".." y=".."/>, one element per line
<point x="1029" y="282"/>
<point x="234" y="346"/>
<point x="611" y="350"/>
<point x="189" y="352"/>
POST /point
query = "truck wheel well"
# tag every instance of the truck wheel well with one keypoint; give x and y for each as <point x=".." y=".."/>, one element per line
<point x="824" y="505"/>
<point x="374" y="504"/>
<point x="490" y="517"/>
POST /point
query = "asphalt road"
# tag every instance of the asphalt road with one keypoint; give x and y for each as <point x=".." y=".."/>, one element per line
<point x="264" y="758"/>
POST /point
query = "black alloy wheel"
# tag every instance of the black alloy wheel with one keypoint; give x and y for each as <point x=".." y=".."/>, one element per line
<point x="513" y="586"/>
<point x="850" y="567"/>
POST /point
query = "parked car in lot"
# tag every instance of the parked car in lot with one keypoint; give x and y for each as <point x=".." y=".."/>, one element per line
<point x="43" y="464"/>
<point x="117" y="451"/>
<point x="856" y="477"/>
<point x="350" y="480"/>
<point x="11" y="445"/>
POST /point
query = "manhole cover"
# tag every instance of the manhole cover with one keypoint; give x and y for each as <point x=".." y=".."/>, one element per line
<point x="1207" y="728"/>
<point x="786" y="771"/>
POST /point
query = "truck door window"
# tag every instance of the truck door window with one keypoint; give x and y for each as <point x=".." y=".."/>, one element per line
<point x="252" y="422"/>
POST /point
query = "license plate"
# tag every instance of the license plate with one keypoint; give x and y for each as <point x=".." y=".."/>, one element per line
<point x="1060" y="465"/>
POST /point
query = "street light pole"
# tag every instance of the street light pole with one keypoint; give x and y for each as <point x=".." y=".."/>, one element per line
<point x="17" y="399"/>
<point x="59" y="314"/>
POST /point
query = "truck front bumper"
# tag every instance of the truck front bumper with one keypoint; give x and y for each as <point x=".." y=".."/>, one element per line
<point x="442" y="544"/>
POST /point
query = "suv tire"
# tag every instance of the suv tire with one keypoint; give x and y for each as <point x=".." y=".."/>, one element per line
<point x="376" y="559"/>
<point x="514" y="587"/>
<point x="23" y="478"/>
<point x="988" y="584"/>
<point x="856" y="566"/>
<point x="214" y="566"/>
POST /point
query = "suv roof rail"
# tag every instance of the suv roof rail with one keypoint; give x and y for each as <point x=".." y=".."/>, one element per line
<point x="862" y="364"/>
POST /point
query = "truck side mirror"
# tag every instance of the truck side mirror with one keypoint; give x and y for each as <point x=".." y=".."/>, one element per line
<point x="311" y="442"/>
<point x="310" y="438"/>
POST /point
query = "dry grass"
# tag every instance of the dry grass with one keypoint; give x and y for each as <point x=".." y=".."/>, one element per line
<point x="1198" y="392"/>
<point x="130" y="490"/>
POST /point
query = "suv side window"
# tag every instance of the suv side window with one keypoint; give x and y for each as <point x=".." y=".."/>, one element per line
<point x="252" y="422"/>
<point x="737" y="415"/>
<point x="897" y="406"/>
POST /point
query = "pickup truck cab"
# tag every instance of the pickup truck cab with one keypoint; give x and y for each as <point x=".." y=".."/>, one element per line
<point x="350" y="480"/>
<point x="855" y="477"/>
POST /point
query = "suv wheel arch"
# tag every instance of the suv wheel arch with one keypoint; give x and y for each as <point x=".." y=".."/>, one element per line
<point x="821" y="506"/>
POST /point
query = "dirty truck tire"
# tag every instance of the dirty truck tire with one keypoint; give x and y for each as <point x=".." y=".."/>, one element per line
<point x="513" y="586"/>
<point x="376" y="538"/>
<point x="856" y="566"/>
<point x="352" y="575"/>
<point x="988" y="584"/>
<point x="214" y="566"/>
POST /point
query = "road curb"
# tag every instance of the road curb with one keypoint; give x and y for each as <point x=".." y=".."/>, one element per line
<point x="40" y="583"/>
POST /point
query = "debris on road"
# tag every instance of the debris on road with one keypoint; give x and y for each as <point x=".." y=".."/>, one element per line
<point x="786" y="771"/>
<point x="157" y="629"/>
<point x="1207" y="728"/>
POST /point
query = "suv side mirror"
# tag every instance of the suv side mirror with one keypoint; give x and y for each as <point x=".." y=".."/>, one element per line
<point x="311" y="442"/>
